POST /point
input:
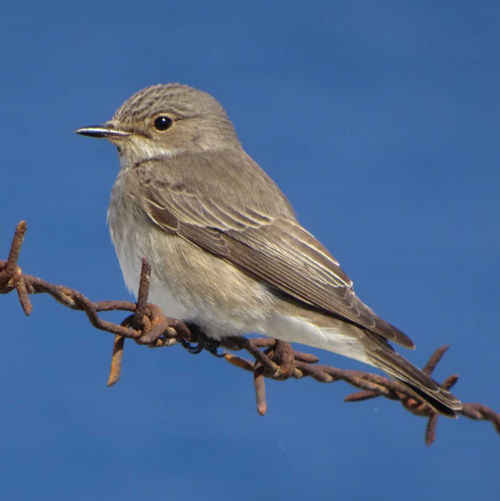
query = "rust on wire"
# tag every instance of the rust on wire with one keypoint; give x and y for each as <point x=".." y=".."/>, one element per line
<point x="116" y="360"/>
<point x="148" y="325"/>
<point x="138" y="321"/>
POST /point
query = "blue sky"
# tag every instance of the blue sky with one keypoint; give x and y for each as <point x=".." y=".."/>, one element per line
<point x="379" y="120"/>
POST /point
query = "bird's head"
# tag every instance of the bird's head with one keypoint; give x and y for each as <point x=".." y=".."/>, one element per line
<point x="166" y="120"/>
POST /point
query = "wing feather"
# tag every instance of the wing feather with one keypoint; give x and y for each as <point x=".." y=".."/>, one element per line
<point x="272" y="248"/>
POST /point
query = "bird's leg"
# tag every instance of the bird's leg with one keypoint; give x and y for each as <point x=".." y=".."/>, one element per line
<point x="201" y="342"/>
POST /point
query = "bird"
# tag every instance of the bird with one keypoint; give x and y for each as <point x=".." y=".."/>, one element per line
<point x="226" y="250"/>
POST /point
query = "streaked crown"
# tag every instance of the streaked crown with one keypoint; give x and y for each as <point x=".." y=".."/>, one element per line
<point x="179" y="100"/>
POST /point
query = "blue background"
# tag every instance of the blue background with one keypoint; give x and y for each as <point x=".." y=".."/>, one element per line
<point x="380" y="122"/>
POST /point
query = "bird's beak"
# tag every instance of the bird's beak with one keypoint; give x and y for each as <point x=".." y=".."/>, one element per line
<point x="106" y="130"/>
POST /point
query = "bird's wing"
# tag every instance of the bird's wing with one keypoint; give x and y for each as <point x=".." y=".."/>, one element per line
<point x="274" y="249"/>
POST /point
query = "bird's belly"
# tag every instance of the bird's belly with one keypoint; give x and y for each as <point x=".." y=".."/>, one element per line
<point x="189" y="283"/>
<point x="160" y="294"/>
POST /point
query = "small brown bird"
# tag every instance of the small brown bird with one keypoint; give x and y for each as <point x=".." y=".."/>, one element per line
<point x="225" y="248"/>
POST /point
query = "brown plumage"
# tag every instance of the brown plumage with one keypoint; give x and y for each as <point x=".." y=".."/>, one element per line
<point x="226" y="249"/>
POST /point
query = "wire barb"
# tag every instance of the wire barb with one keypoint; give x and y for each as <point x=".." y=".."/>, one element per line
<point x="116" y="360"/>
<point x="273" y="359"/>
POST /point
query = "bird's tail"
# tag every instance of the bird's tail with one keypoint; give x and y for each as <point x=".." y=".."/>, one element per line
<point x="384" y="357"/>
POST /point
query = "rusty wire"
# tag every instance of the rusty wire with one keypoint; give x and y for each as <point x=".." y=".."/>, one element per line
<point x="274" y="359"/>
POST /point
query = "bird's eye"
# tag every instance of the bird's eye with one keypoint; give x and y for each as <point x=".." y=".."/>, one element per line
<point x="162" y="123"/>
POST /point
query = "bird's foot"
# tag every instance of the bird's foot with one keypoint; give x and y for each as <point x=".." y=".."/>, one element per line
<point x="200" y="342"/>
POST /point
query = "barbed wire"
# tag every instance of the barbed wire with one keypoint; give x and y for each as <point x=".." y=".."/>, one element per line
<point x="148" y="325"/>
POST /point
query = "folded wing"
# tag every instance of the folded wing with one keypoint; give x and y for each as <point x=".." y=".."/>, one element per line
<point x="274" y="249"/>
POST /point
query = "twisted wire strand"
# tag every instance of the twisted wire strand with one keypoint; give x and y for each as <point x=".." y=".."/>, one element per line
<point x="148" y="325"/>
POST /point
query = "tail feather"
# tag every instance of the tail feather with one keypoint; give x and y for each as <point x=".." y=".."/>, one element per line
<point x="437" y="404"/>
<point x="384" y="357"/>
